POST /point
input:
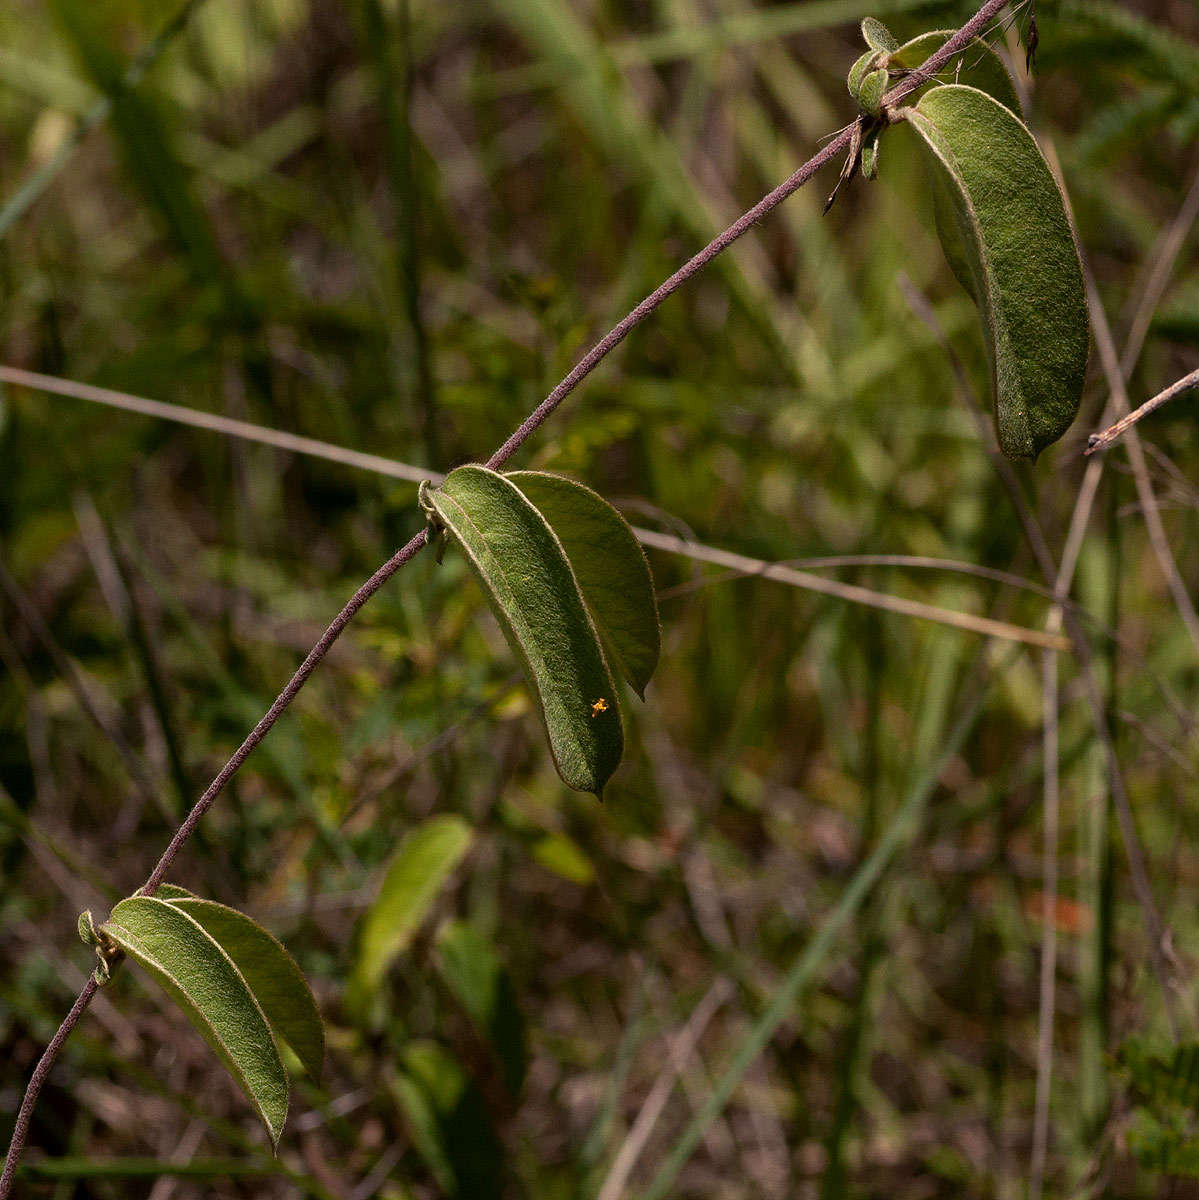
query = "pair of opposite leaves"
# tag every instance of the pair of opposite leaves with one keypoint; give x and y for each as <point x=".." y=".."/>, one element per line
<point x="1002" y="221"/>
<point x="571" y="587"/>
<point x="237" y="985"/>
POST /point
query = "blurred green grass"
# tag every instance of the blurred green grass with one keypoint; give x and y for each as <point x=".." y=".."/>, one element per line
<point x="279" y="225"/>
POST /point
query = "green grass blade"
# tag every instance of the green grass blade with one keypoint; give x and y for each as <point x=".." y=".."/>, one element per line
<point x="903" y="827"/>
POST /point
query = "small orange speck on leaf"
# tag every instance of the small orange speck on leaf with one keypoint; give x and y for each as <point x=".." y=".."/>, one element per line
<point x="599" y="706"/>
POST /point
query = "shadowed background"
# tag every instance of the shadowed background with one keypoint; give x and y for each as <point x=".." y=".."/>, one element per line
<point x="393" y="229"/>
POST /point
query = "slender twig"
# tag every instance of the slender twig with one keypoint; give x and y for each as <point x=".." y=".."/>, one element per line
<point x="1047" y="1001"/>
<point x="848" y="591"/>
<point x="919" y="562"/>
<point x="588" y="363"/>
<point x="1100" y="441"/>
<point x="211" y="421"/>
<point x="37" y="1079"/>
<point x="685" y="547"/>
<point x="681" y="1049"/>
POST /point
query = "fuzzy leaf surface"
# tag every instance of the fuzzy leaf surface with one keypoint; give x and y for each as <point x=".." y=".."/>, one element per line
<point x="977" y="66"/>
<point x="203" y="980"/>
<point x="172" y="891"/>
<point x="1004" y="229"/>
<point x="528" y="580"/>
<point x="277" y="982"/>
<point x="877" y="36"/>
<point x="610" y="566"/>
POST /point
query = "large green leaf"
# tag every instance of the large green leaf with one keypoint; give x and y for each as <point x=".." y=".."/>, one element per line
<point x="977" y="66"/>
<point x="1003" y="225"/>
<point x="610" y="566"/>
<point x="206" y="984"/>
<point x="530" y="585"/>
<point x="277" y="982"/>
<point x="425" y="860"/>
<point x="475" y="975"/>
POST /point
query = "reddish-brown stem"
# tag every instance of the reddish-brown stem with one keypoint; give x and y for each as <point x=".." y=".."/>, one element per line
<point x="916" y="79"/>
<point x="21" y="1128"/>
<point x="1100" y="441"/>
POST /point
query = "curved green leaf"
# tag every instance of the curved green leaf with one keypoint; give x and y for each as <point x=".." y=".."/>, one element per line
<point x="425" y="860"/>
<point x="203" y="980"/>
<point x="856" y="73"/>
<point x="977" y="66"/>
<point x="1005" y="232"/>
<point x="610" y="566"/>
<point x="172" y="891"/>
<point x="448" y="1121"/>
<point x="530" y="585"/>
<point x="277" y="982"/>
<point x="877" y="36"/>
<point x="870" y="94"/>
<point x="473" y="972"/>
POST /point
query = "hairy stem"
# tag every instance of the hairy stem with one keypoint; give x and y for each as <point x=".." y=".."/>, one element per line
<point x="21" y="1128"/>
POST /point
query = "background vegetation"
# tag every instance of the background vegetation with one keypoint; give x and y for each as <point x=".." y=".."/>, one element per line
<point x="394" y="231"/>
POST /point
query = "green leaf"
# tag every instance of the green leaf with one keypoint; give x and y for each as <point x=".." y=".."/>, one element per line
<point x="870" y="94"/>
<point x="870" y="148"/>
<point x="558" y="853"/>
<point x="530" y="585"/>
<point x="976" y="66"/>
<point x="277" y="982"/>
<point x="426" y="859"/>
<point x="1004" y="229"/>
<point x="206" y="984"/>
<point x="610" y="566"/>
<point x="172" y="891"/>
<point x="474" y="974"/>
<point x="449" y="1123"/>
<point x="858" y="71"/>
<point x="877" y="36"/>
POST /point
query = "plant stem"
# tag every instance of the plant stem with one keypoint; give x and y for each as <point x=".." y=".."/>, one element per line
<point x="21" y="1128"/>
<point x="582" y="369"/>
<point x="1098" y="441"/>
<point x="743" y="223"/>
